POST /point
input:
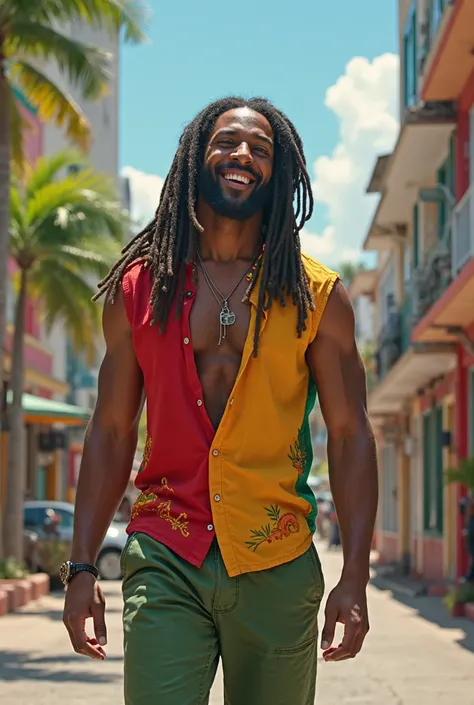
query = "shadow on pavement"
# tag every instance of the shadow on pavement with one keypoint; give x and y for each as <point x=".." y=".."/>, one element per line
<point x="16" y="665"/>
<point x="433" y="610"/>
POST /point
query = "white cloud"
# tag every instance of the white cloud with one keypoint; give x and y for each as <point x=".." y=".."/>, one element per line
<point x="364" y="101"/>
<point x="145" y="194"/>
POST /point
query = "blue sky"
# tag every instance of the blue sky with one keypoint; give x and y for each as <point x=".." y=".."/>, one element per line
<point x="199" y="51"/>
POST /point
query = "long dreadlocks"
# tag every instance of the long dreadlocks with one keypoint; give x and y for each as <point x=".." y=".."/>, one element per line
<point x="165" y="244"/>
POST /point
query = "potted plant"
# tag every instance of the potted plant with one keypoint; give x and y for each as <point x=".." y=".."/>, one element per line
<point x="464" y="474"/>
<point x="458" y="597"/>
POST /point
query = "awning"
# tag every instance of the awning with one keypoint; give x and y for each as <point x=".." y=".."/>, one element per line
<point x="47" y="411"/>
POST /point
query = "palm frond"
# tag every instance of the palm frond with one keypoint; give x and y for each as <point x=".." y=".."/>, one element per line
<point x="66" y="298"/>
<point x="130" y="17"/>
<point x="48" y="168"/>
<point x="18" y="127"/>
<point x="69" y="192"/>
<point x="85" y="65"/>
<point x="51" y="102"/>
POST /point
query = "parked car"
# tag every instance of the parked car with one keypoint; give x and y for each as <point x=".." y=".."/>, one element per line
<point x="48" y="527"/>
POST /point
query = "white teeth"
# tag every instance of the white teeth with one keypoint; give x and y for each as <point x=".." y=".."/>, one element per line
<point x="237" y="177"/>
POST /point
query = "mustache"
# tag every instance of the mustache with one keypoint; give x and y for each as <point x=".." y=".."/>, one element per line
<point x="247" y="171"/>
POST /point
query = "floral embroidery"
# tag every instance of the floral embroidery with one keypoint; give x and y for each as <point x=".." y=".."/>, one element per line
<point x="146" y="453"/>
<point x="298" y="454"/>
<point x="281" y="526"/>
<point x="150" y="502"/>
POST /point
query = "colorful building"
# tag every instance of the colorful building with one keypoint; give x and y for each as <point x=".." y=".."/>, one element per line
<point x="45" y="414"/>
<point x="422" y="398"/>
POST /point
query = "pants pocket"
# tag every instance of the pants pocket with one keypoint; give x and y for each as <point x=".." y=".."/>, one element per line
<point x="313" y="558"/>
<point x="124" y="554"/>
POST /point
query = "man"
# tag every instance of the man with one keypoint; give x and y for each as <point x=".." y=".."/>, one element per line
<point x="216" y="317"/>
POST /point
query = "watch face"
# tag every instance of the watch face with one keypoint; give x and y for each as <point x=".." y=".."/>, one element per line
<point x="65" y="572"/>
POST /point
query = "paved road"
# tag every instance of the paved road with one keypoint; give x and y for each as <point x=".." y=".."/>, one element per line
<point x="414" y="655"/>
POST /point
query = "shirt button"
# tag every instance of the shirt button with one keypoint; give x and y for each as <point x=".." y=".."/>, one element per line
<point x="186" y="341"/>
<point x="217" y="498"/>
<point x="199" y="402"/>
<point x="189" y="294"/>
<point x="210" y="527"/>
<point x="232" y="401"/>
<point x="215" y="452"/>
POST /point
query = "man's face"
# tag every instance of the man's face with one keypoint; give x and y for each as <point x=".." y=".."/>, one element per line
<point x="238" y="162"/>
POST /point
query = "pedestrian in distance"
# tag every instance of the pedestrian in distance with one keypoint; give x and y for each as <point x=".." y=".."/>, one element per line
<point x="215" y="315"/>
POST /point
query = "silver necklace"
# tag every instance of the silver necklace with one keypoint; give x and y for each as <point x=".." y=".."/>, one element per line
<point x="226" y="316"/>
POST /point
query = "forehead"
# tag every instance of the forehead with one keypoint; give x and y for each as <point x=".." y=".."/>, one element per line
<point x="244" y="120"/>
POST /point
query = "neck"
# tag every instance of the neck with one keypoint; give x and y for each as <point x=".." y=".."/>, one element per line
<point x="226" y="240"/>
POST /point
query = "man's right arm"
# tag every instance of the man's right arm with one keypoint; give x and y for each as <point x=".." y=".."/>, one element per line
<point x="109" y="448"/>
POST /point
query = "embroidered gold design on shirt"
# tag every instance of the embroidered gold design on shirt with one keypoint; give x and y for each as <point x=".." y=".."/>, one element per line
<point x="150" y="502"/>
<point x="282" y="526"/>
<point x="146" y="454"/>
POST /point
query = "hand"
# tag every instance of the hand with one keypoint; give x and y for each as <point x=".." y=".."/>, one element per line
<point x="346" y="604"/>
<point x="84" y="600"/>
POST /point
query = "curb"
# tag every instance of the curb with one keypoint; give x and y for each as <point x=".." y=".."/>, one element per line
<point x="18" y="593"/>
<point x="396" y="587"/>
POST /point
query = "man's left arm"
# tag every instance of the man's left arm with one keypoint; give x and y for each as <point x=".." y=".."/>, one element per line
<point x="339" y="374"/>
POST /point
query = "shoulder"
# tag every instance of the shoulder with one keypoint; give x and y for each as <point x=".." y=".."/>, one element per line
<point x="136" y="286"/>
<point x="316" y="272"/>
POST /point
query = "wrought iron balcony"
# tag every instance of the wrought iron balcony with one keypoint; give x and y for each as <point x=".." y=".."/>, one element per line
<point x="430" y="280"/>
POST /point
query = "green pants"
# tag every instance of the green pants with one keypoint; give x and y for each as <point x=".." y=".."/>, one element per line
<point x="179" y="620"/>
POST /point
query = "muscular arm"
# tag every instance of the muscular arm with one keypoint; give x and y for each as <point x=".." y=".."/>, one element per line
<point x="340" y="378"/>
<point x="111" y="436"/>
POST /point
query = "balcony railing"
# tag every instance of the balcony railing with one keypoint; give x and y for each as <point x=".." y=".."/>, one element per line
<point x="432" y="278"/>
<point x="463" y="232"/>
<point x="393" y="341"/>
<point x="434" y="15"/>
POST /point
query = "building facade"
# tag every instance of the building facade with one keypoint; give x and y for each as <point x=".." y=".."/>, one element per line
<point x="421" y="400"/>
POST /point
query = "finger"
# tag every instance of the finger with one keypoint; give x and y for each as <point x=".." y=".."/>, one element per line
<point x="79" y="639"/>
<point x="327" y="635"/>
<point x="100" y="628"/>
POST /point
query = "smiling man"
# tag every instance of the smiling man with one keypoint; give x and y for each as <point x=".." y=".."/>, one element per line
<point x="215" y="316"/>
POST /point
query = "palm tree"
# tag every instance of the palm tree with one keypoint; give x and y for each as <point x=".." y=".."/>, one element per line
<point x="28" y="38"/>
<point x="63" y="233"/>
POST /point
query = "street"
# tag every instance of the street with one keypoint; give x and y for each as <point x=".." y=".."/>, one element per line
<point x="414" y="655"/>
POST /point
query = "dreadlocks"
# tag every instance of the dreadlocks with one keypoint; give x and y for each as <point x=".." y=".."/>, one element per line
<point x="165" y="244"/>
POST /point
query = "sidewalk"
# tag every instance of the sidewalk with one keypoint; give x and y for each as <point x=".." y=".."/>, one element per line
<point x="415" y="655"/>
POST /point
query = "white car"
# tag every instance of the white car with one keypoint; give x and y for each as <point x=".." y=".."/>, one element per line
<point x="55" y="520"/>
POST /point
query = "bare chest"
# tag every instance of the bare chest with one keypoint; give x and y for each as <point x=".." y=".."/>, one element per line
<point x="219" y="325"/>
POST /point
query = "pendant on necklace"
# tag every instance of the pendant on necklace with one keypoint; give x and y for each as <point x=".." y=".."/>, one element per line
<point x="226" y="318"/>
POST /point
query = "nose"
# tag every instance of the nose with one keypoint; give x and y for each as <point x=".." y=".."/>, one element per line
<point x="242" y="153"/>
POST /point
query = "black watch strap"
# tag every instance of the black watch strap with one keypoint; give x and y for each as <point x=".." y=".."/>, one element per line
<point x="81" y="567"/>
<point x="70" y="569"/>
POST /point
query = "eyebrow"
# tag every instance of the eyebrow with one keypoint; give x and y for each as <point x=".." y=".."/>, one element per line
<point x="232" y="131"/>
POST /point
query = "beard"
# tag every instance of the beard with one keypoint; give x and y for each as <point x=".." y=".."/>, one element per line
<point x="228" y="206"/>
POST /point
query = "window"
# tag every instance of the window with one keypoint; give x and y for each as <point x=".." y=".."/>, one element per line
<point x="387" y="293"/>
<point x="446" y="177"/>
<point x="410" y="56"/>
<point x="433" y="471"/>
<point x="33" y="518"/>
<point x="67" y="518"/>
<point x="389" y="488"/>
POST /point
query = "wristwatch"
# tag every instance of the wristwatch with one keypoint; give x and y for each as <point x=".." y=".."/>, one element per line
<point x="69" y="569"/>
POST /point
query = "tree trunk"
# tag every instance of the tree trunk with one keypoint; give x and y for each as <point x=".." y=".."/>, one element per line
<point x="4" y="236"/>
<point x="16" y="465"/>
